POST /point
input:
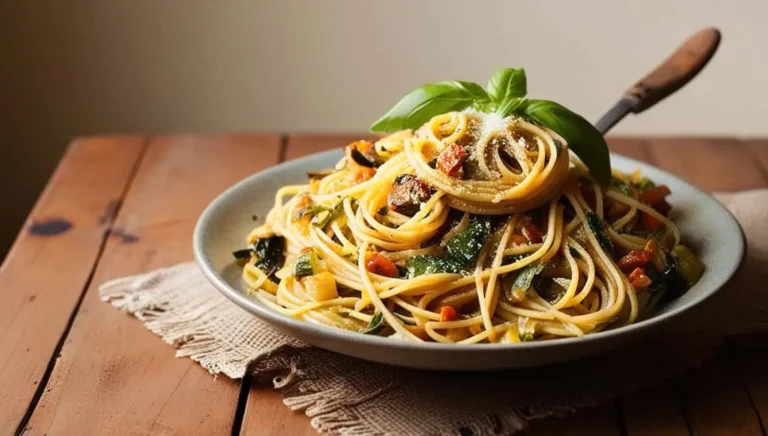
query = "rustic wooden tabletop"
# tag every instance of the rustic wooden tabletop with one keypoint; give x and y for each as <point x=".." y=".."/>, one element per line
<point x="70" y="364"/>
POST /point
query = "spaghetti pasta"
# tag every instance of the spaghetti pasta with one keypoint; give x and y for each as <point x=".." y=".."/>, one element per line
<point x="475" y="228"/>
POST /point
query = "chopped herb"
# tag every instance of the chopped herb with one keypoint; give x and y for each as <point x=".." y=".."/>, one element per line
<point x="598" y="228"/>
<point x="377" y="322"/>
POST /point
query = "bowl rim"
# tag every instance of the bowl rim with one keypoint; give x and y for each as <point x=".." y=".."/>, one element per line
<point x="272" y="317"/>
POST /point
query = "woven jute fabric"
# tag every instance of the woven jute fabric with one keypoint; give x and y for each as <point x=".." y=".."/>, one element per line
<point x="354" y="397"/>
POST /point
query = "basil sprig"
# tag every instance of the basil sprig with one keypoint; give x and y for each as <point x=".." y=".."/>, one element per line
<point x="505" y="95"/>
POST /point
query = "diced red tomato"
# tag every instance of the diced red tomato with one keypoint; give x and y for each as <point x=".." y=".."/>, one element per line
<point x="533" y="234"/>
<point x="634" y="259"/>
<point x="635" y="274"/>
<point x="639" y="280"/>
<point x="381" y="265"/>
<point x="448" y="313"/>
<point x="656" y="198"/>
<point x="450" y="161"/>
<point x="650" y="223"/>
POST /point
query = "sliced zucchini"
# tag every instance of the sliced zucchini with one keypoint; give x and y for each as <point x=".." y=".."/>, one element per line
<point x="307" y="264"/>
<point x="425" y="264"/>
<point x="516" y="288"/>
<point x="465" y="247"/>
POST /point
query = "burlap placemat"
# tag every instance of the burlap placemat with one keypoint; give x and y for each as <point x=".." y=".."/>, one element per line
<point x="354" y="397"/>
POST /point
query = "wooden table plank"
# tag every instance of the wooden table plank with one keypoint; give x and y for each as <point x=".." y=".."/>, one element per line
<point x="44" y="275"/>
<point x="715" y="401"/>
<point x="114" y="376"/>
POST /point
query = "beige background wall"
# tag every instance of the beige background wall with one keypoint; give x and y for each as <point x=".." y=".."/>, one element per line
<point x="91" y="66"/>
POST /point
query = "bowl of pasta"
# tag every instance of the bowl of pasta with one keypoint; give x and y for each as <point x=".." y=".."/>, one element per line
<point x="491" y="236"/>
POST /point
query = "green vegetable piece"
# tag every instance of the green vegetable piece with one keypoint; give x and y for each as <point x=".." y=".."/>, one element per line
<point x="377" y="322"/>
<point x="465" y="247"/>
<point x="423" y="103"/>
<point x="522" y="283"/>
<point x="598" y="228"/>
<point x="622" y="187"/>
<point x="507" y="84"/>
<point x="306" y="265"/>
<point x="688" y="265"/>
<point x="425" y="264"/>
<point x="333" y="214"/>
<point x="586" y="141"/>
<point x="270" y="252"/>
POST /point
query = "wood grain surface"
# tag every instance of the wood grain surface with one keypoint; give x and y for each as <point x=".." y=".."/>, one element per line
<point x="85" y="368"/>
<point x="43" y="276"/>
<point x="114" y="376"/>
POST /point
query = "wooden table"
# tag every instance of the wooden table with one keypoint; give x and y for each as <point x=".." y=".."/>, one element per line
<point x="71" y="364"/>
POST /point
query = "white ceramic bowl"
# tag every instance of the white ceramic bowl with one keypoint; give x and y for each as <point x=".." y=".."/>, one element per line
<point x="221" y="229"/>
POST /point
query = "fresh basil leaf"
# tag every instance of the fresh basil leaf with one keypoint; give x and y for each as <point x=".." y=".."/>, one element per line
<point x="507" y="84"/>
<point x="511" y="106"/>
<point x="582" y="136"/>
<point x="377" y="322"/>
<point x="423" y="103"/>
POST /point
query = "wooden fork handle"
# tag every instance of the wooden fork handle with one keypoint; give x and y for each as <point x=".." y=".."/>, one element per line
<point x="677" y="70"/>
